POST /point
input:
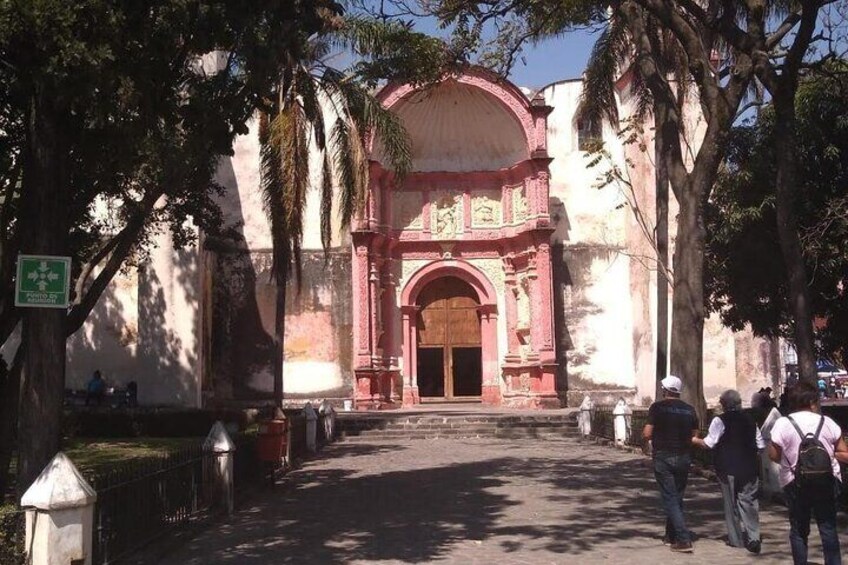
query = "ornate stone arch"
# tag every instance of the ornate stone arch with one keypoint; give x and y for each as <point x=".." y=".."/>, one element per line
<point x="491" y="391"/>
<point x="531" y="115"/>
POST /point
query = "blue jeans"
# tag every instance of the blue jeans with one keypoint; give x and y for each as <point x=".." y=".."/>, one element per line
<point x="803" y="506"/>
<point x="672" y="471"/>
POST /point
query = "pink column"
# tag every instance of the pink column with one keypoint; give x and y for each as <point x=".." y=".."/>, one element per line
<point x="491" y="389"/>
<point x="513" y="354"/>
<point x="409" y="316"/>
<point x="543" y="319"/>
<point x="363" y="371"/>
<point x="361" y="310"/>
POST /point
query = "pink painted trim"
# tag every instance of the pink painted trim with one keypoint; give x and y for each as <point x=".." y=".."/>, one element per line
<point x="445" y="268"/>
<point x="509" y="95"/>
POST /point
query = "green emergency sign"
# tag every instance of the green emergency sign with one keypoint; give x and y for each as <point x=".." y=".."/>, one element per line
<point x="43" y="281"/>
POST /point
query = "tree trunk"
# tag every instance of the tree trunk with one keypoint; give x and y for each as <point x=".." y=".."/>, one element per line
<point x="687" y="326"/>
<point x="279" y="340"/>
<point x="661" y="201"/>
<point x="787" y="231"/>
<point x="45" y="231"/>
<point x="9" y="418"/>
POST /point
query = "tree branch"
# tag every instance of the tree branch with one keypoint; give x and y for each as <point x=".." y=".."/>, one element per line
<point x="125" y="240"/>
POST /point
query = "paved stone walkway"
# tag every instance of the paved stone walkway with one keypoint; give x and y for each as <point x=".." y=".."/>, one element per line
<point x="473" y="501"/>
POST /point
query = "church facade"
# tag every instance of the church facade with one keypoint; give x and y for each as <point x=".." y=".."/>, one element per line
<point x="497" y="271"/>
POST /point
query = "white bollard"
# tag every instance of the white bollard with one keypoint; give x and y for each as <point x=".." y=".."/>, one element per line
<point x="221" y="479"/>
<point x="619" y="414"/>
<point x="329" y="420"/>
<point x="584" y="419"/>
<point x="311" y="427"/>
<point x="60" y="515"/>
<point x="770" y="471"/>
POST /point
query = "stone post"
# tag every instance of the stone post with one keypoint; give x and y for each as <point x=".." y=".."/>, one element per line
<point x="584" y="419"/>
<point x="311" y="427"/>
<point x="329" y="420"/>
<point x="221" y="480"/>
<point x="619" y="414"/>
<point x="59" y="515"/>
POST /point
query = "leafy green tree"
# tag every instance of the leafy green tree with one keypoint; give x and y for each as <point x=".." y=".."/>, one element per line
<point x="107" y="102"/>
<point x="748" y="282"/>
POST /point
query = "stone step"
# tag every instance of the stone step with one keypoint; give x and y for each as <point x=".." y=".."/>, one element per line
<point x="458" y="425"/>
<point x="422" y="436"/>
<point x="370" y="423"/>
<point x="467" y="432"/>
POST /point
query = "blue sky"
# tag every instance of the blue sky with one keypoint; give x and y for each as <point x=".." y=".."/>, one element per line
<point x="549" y="61"/>
<point x="553" y="60"/>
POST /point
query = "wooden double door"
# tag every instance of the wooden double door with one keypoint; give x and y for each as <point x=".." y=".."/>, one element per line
<point x="449" y="346"/>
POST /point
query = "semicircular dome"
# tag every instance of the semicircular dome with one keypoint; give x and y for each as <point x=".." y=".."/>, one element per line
<point x="455" y="127"/>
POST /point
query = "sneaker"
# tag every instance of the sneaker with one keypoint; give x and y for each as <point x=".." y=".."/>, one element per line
<point x="682" y="547"/>
<point x="667" y="540"/>
<point x="754" y="546"/>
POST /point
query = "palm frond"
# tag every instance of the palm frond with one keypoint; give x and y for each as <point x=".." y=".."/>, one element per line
<point x="295" y="164"/>
<point x="273" y="188"/>
<point x="598" y="101"/>
<point x="345" y="157"/>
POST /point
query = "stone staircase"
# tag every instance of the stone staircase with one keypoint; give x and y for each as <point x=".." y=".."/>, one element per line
<point x="399" y="426"/>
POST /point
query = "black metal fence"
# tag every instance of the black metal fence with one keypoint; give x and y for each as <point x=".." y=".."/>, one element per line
<point x="138" y="501"/>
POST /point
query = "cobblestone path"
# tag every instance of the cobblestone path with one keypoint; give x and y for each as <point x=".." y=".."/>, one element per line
<point x="473" y="501"/>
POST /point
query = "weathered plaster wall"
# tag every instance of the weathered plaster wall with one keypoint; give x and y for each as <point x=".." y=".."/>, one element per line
<point x="318" y="319"/>
<point x="144" y="329"/>
<point x="591" y="269"/>
<point x="318" y="327"/>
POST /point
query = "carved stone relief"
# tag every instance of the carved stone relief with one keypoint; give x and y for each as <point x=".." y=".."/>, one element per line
<point x="494" y="271"/>
<point x="486" y="210"/>
<point x="407" y="210"/>
<point x="519" y="204"/>
<point x="522" y="298"/>
<point x="407" y="269"/>
<point x="446" y="220"/>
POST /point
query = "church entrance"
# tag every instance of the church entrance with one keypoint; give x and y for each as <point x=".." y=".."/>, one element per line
<point x="449" y="344"/>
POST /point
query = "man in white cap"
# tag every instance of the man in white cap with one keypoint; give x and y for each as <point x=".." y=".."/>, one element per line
<point x="671" y="426"/>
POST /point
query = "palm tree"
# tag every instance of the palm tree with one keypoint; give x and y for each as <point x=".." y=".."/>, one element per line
<point x="611" y="54"/>
<point x="316" y="103"/>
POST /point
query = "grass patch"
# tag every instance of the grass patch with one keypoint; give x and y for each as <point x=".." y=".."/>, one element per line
<point x="91" y="454"/>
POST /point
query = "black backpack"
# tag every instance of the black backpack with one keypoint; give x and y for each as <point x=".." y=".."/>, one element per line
<point x="814" y="468"/>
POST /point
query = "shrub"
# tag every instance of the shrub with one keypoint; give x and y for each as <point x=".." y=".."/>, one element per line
<point x="11" y="535"/>
<point x="152" y="422"/>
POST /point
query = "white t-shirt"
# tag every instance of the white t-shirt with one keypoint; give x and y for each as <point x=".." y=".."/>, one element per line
<point x="717" y="430"/>
<point x="785" y="436"/>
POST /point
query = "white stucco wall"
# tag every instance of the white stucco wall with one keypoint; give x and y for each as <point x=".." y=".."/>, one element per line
<point x="591" y="225"/>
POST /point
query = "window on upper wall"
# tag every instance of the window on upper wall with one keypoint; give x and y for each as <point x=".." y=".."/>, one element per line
<point x="588" y="134"/>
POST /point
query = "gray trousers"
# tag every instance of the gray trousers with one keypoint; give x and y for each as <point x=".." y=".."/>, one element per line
<point x="741" y="510"/>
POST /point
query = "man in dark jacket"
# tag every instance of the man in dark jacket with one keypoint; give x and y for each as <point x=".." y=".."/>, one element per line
<point x="670" y="428"/>
<point x="736" y="441"/>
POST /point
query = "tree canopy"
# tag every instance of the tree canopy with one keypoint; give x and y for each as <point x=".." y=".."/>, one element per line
<point x="746" y="280"/>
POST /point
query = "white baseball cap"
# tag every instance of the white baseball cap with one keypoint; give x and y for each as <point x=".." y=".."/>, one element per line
<point x="672" y="384"/>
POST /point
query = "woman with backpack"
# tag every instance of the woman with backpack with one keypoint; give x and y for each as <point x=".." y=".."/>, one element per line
<point x="809" y="447"/>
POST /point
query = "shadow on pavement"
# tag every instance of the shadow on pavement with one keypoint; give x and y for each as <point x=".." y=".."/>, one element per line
<point x="585" y="500"/>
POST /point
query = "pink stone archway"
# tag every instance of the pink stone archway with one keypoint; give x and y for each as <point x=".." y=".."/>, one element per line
<point x="491" y="390"/>
<point x="522" y="373"/>
<point x="531" y="116"/>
